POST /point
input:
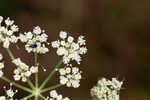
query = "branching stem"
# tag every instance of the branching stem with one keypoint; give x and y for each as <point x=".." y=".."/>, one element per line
<point x="51" y="74"/>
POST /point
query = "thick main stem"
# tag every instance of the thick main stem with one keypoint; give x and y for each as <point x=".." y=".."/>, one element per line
<point x="36" y="74"/>
<point x="16" y="84"/>
<point x="51" y="74"/>
<point x="35" y="97"/>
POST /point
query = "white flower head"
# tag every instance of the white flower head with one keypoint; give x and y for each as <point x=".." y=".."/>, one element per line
<point x="69" y="49"/>
<point x="70" y="76"/>
<point x="107" y="89"/>
<point x="7" y="31"/>
<point x="23" y="71"/>
<point x="35" y="41"/>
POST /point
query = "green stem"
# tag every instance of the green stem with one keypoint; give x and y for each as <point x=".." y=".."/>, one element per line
<point x="42" y="97"/>
<point x="51" y="74"/>
<point x="30" y="83"/>
<point x="27" y="97"/>
<point x="36" y="74"/>
<point x="10" y="54"/>
<point x="16" y="84"/>
<point x="51" y="88"/>
<point x="35" y="97"/>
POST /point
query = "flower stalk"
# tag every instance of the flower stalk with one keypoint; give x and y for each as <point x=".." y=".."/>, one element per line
<point x="10" y="53"/>
<point x="27" y="97"/>
<point x="16" y="84"/>
<point x="51" y="74"/>
<point x="51" y="88"/>
<point x="36" y="74"/>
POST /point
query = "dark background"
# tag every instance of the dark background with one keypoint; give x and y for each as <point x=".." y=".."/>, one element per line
<point x="117" y="33"/>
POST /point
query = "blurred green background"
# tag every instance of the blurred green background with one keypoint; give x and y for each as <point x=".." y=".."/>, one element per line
<point x="117" y="33"/>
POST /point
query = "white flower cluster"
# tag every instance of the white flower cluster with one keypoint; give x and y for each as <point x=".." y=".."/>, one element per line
<point x="1" y="65"/>
<point x="55" y="96"/>
<point x="70" y="76"/>
<point x="23" y="71"/>
<point x="7" y="32"/>
<point x="9" y="94"/>
<point x="107" y="89"/>
<point x="35" y="41"/>
<point x="68" y="49"/>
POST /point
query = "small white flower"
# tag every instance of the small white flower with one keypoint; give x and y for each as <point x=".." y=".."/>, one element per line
<point x="59" y="97"/>
<point x="10" y="93"/>
<point x="34" y="69"/>
<point x="70" y="39"/>
<point x="14" y="28"/>
<point x="62" y="71"/>
<point x="37" y="30"/>
<point x="55" y="44"/>
<point x="75" y="84"/>
<point x="17" y="77"/>
<point x="43" y="49"/>
<point x="68" y="70"/>
<point x="2" y="98"/>
<point x="62" y="34"/>
<point x="43" y="37"/>
<point x="24" y="79"/>
<point x="28" y="73"/>
<point x="63" y="43"/>
<point x="9" y="22"/>
<point x="75" y="70"/>
<point x="75" y="46"/>
<point x="81" y="40"/>
<point x="23" y="38"/>
<point x="53" y="94"/>
<point x="28" y="35"/>
<point x="14" y="39"/>
<point x="63" y="80"/>
<point x="61" y="51"/>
